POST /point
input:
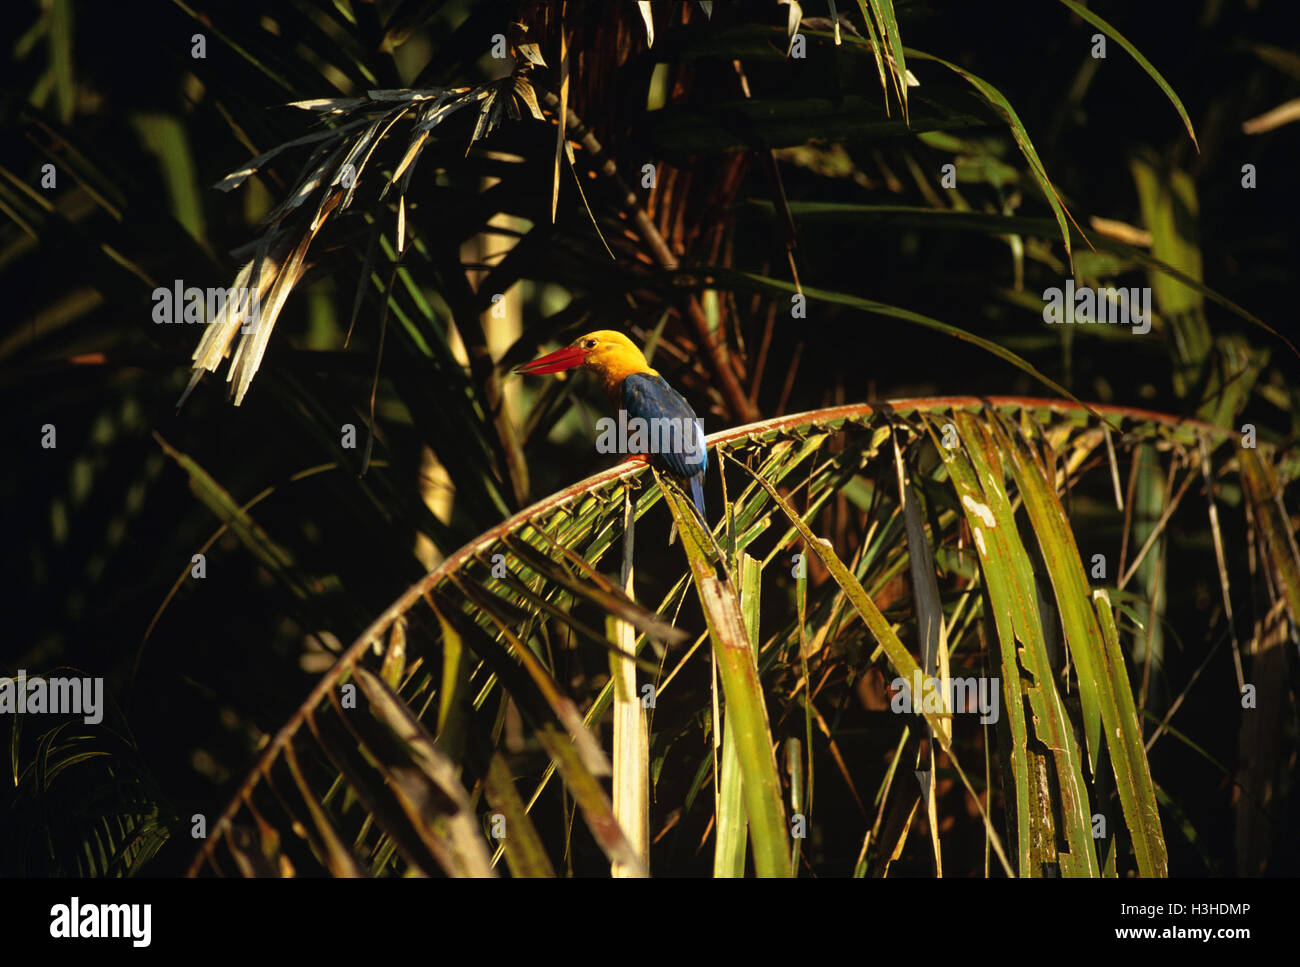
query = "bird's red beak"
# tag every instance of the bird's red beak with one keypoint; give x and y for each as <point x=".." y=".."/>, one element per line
<point x="556" y="362"/>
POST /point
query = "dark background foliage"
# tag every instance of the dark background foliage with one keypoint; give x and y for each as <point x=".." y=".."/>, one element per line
<point x="98" y="530"/>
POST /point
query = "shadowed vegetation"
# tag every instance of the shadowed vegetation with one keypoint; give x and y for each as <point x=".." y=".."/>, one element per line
<point x="358" y="612"/>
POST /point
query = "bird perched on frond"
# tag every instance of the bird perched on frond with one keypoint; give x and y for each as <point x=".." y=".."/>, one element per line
<point x="668" y="431"/>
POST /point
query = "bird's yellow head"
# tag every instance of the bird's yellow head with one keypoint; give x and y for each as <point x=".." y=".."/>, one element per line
<point x="609" y="354"/>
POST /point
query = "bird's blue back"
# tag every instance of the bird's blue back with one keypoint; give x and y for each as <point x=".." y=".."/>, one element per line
<point x="649" y="397"/>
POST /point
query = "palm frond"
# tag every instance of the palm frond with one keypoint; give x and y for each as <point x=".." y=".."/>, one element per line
<point x="500" y="612"/>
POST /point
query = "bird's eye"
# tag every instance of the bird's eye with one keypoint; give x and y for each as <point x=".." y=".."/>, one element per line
<point x="589" y="344"/>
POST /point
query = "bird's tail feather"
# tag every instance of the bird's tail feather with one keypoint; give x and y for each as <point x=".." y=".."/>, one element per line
<point x="697" y="492"/>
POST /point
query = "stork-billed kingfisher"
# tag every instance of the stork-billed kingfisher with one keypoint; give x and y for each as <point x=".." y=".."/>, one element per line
<point x="670" y="432"/>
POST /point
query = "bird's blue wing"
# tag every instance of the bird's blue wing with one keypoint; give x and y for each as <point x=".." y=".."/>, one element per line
<point x="677" y="440"/>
